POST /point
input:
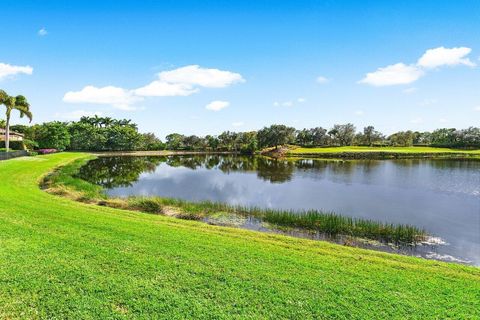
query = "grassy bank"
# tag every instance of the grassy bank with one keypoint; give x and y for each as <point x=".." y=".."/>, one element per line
<point x="384" y="152"/>
<point x="64" y="181"/>
<point x="66" y="259"/>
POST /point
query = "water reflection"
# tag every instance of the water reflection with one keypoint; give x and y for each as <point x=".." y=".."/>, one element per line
<point x="442" y="196"/>
<point x="112" y="172"/>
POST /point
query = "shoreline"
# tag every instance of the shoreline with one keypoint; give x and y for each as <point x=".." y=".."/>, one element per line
<point x="341" y="155"/>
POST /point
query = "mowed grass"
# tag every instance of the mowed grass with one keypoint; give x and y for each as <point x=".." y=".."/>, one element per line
<point x="383" y="149"/>
<point x="65" y="259"/>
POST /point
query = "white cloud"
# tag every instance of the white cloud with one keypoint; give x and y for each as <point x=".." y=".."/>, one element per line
<point x="283" y="104"/>
<point x="77" y="114"/>
<point x="410" y="90"/>
<point x="417" y="120"/>
<point x="7" y="70"/>
<point x="183" y="81"/>
<point x="359" y="113"/>
<point x="477" y="108"/>
<point x="442" y="120"/>
<point x="164" y="89"/>
<point x="117" y="97"/>
<point x="399" y="73"/>
<point x="322" y="80"/>
<point x="42" y="32"/>
<point x="442" y="56"/>
<point x="217" y="105"/>
<point x="195" y="75"/>
<point x="238" y="124"/>
<point x="301" y="100"/>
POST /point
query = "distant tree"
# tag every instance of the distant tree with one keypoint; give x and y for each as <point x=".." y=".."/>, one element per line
<point x="248" y="142"/>
<point x="443" y="137"/>
<point x="275" y="135"/>
<point x="3" y="123"/>
<point x="304" y="137"/>
<point x="192" y="142"/>
<point x="212" y="142"/>
<point x="52" y="135"/>
<point x="122" y="138"/>
<point x="319" y="136"/>
<point x="229" y="141"/>
<point x="175" y="141"/>
<point x="370" y="136"/>
<point x="343" y="134"/>
<point x="87" y="137"/>
<point x="401" y="138"/>
<point x="150" y="142"/>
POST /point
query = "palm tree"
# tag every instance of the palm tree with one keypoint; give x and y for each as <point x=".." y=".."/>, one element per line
<point x="19" y="103"/>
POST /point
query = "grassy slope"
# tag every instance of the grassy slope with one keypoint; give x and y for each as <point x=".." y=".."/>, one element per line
<point x="60" y="258"/>
<point x="382" y="149"/>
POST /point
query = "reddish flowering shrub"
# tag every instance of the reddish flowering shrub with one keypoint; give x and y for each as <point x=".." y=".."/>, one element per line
<point x="46" y="151"/>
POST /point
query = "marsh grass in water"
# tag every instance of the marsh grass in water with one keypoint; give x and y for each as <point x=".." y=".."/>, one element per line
<point x="64" y="181"/>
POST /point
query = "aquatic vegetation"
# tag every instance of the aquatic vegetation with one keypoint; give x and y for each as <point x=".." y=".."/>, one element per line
<point x="334" y="224"/>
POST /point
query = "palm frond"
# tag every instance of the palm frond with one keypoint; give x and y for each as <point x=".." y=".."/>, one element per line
<point x="24" y="109"/>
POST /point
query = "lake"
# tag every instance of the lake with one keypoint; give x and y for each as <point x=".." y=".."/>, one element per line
<point x="442" y="196"/>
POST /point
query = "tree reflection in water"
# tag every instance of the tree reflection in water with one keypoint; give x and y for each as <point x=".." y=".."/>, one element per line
<point x="111" y="172"/>
<point x="122" y="171"/>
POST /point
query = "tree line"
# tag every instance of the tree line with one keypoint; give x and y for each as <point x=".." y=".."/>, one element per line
<point x="88" y="134"/>
<point x="108" y="134"/>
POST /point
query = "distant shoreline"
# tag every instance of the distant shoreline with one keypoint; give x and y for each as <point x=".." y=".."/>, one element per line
<point x="352" y="153"/>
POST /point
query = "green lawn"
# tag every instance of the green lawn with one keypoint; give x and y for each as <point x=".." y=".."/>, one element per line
<point x="65" y="259"/>
<point x="382" y="149"/>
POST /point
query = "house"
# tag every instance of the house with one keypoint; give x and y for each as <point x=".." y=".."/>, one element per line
<point x="14" y="136"/>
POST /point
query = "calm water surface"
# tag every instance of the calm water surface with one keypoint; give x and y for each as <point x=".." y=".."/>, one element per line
<point x="442" y="196"/>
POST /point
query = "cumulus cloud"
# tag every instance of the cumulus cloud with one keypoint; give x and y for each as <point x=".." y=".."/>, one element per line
<point x="217" y="105"/>
<point x="433" y="58"/>
<point x="392" y="75"/>
<point x="117" y="97"/>
<point x="301" y="100"/>
<point x="401" y="73"/>
<point x="42" y="32"/>
<point x="164" y="89"/>
<point x="322" y="80"/>
<point x="77" y="114"/>
<point x="196" y="76"/>
<point x="7" y="70"/>
<point x="477" y="108"/>
<point x="183" y="81"/>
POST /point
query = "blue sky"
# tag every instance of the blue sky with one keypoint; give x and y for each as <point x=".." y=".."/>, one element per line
<point x="253" y="63"/>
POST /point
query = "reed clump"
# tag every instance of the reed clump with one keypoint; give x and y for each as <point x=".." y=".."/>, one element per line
<point x="334" y="224"/>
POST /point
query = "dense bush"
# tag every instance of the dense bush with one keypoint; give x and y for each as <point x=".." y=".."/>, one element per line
<point x="52" y="135"/>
